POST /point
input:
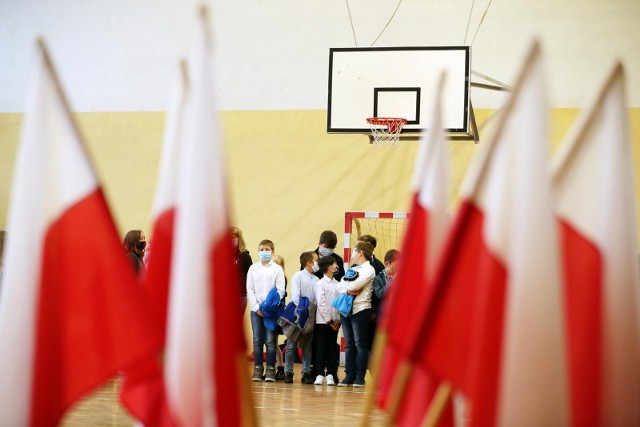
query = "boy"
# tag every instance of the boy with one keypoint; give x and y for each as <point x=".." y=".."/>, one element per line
<point x="261" y="278"/>
<point x="327" y="324"/>
<point x="355" y="328"/>
<point x="326" y="247"/>
<point x="383" y="280"/>
<point x="302" y="285"/>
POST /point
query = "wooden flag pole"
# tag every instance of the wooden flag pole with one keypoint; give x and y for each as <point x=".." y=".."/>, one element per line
<point x="378" y="347"/>
<point x="397" y="390"/>
<point x="438" y="403"/>
<point x="249" y="418"/>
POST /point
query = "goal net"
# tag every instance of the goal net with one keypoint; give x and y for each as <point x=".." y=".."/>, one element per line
<point x="387" y="227"/>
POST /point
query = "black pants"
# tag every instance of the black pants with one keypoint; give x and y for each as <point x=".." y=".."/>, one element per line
<point x="327" y="351"/>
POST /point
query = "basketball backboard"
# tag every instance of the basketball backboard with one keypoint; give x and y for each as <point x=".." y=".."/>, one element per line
<point x="397" y="82"/>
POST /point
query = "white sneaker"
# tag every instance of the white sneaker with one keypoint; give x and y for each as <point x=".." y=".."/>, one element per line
<point x="319" y="380"/>
<point x="330" y="380"/>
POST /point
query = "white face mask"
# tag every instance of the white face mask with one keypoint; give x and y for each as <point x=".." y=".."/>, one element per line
<point x="324" y="251"/>
<point x="354" y="254"/>
<point x="315" y="267"/>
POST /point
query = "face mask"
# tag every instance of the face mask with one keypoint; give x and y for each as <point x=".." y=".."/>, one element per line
<point x="354" y="253"/>
<point x="142" y="245"/>
<point x="324" y="251"/>
<point x="315" y="267"/>
<point x="264" y="255"/>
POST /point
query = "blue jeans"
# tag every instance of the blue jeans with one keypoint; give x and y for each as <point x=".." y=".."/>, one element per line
<point x="262" y="336"/>
<point x="290" y="355"/>
<point x="355" y="330"/>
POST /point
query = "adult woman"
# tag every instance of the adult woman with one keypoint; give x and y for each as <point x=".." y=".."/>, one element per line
<point x="242" y="261"/>
<point x="134" y="243"/>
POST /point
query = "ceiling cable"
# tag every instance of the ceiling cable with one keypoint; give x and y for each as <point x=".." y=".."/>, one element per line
<point x="388" y="22"/>
<point x="353" y="30"/>
<point x="481" y="21"/>
<point x="468" y="22"/>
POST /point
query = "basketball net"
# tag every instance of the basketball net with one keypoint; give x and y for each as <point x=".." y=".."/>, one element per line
<point x="385" y="131"/>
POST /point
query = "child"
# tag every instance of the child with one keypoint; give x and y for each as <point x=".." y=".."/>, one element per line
<point x="278" y="259"/>
<point x="261" y="278"/>
<point x="355" y="328"/>
<point x="302" y="284"/>
<point x="383" y="280"/>
<point x="326" y="247"/>
<point x="327" y="323"/>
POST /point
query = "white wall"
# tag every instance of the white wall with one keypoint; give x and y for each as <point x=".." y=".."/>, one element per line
<point x="118" y="55"/>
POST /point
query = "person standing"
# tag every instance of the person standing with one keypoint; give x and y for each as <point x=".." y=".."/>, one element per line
<point x="302" y="285"/>
<point x="326" y="247"/>
<point x="262" y="277"/>
<point x="242" y="261"/>
<point x="358" y="282"/>
<point x="327" y="324"/>
<point x="135" y="243"/>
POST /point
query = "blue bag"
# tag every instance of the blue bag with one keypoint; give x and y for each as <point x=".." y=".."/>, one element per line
<point x="343" y="303"/>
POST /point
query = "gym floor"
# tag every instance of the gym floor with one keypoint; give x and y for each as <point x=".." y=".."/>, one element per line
<point x="276" y="404"/>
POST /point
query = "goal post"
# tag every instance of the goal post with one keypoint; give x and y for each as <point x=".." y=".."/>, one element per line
<point x="387" y="227"/>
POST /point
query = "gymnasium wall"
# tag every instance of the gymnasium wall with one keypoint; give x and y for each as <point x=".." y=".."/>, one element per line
<point x="289" y="179"/>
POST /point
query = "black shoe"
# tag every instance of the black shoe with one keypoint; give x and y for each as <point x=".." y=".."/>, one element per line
<point x="288" y="378"/>
<point x="347" y="382"/>
<point x="280" y="373"/>
<point x="307" y="379"/>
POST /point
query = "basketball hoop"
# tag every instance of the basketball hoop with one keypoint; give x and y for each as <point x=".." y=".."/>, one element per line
<point x="385" y="131"/>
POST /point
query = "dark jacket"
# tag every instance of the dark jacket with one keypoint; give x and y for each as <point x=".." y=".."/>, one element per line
<point x="136" y="262"/>
<point x="243" y="261"/>
<point x="338" y="275"/>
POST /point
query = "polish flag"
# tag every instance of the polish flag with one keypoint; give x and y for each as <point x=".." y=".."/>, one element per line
<point x="71" y="313"/>
<point x="595" y="202"/>
<point x="493" y="326"/>
<point x="205" y="371"/>
<point x="421" y="247"/>
<point x="143" y="389"/>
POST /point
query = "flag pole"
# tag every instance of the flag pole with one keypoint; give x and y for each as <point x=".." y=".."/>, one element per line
<point x="246" y="401"/>
<point x="48" y="63"/>
<point x="397" y="390"/>
<point x="378" y="347"/>
<point x="438" y="403"/>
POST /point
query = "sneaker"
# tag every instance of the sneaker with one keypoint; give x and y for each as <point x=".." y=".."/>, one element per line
<point x="271" y="374"/>
<point x="279" y="373"/>
<point x="306" y="379"/>
<point x="358" y="383"/>
<point x="330" y="380"/>
<point x="288" y="378"/>
<point x="345" y="383"/>
<point x="257" y="373"/>
<point x="319" y="380"/>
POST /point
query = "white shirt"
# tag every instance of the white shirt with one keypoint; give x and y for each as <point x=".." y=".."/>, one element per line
<point x="303" y="284"/>
<point x="364" y="283"/>
<point x="260" y="279"/>
<point x="326" y="292"/>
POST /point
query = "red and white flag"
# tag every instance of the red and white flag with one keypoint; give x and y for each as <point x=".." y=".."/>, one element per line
<point x="71" y="314"/>
<point x="143" y="389"/>
<point x="421" y="247"/>
<point x="493" y="326"/>
<point x="595" y="203"/>
<point x="205" y="367"/>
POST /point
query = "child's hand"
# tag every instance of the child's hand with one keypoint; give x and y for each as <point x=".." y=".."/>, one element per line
<point x="259" y="313"/>
<point x="353" y="292"/>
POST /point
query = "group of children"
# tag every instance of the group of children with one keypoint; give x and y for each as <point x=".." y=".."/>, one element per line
<point x="321" y="279"/>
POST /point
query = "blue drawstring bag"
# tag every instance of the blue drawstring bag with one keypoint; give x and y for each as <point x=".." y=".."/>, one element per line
<point x="343" y="303"/>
